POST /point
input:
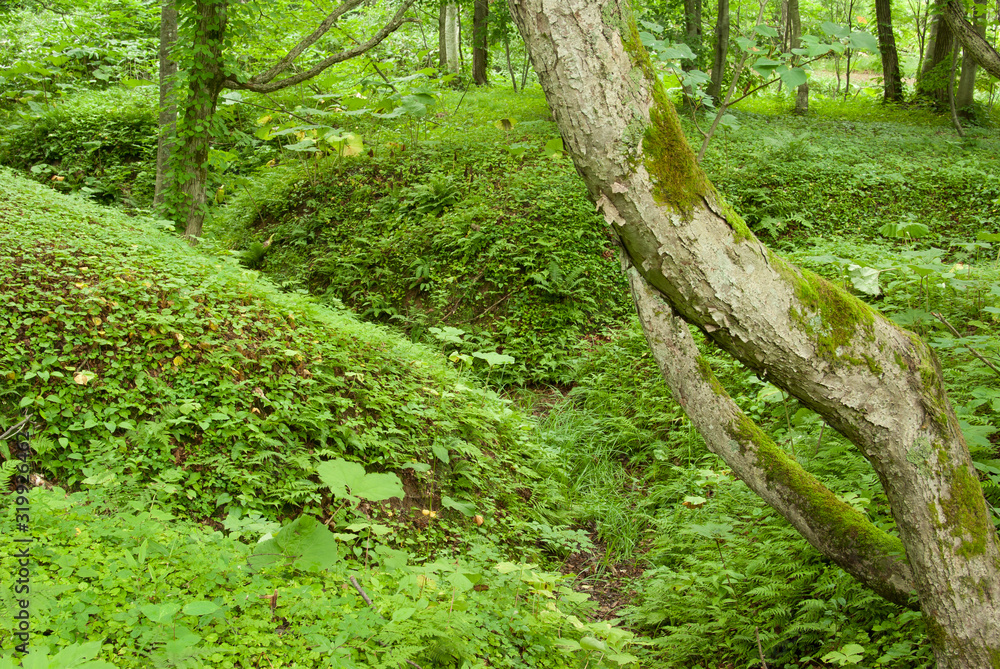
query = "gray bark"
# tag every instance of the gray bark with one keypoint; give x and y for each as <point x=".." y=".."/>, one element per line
<point x="975" y="45"/>
<point x="451" y="37"/>
<point x="443" y="36"/>
<point x="794" y="37"/>
<point x="877" y="384"/>
<point x="967" y="80"/>
<point x="167" y="120"/>
<point x="692" y="31"/>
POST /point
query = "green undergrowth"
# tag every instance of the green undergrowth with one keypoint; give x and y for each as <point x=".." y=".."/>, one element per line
<point x="792" y="177"/>
<point x="480" y="244"/>
<point x="133" y="586"/>
<point x="146" y="365"/>
<point x="721" y="568"/>
<point x="99" y="143"/>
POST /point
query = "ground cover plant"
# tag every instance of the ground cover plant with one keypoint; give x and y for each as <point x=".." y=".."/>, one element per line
<point x="186" y="408"/>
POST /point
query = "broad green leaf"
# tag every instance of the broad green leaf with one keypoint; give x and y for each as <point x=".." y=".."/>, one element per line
<point x="765" y="66"/>
<point x="766" y="31"/>
<point x="161" y="613"/>
<point x="794" y="77"/>
<point x="863" y="41"/>
<point x="467" y="510"/>
<point x="592" y="643"/>
<point x="378" y="487"/>
<point x="200" y="608"/>
<point x="339" y="475"/>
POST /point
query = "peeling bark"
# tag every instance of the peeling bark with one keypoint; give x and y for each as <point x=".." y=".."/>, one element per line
<point x="877" y="384"/>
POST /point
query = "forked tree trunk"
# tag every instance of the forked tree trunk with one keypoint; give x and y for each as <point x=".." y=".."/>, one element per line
<point x="932" y="81"/>
<point x="891" y="80"/>
<point x="967" y="80"/>
<point x="694" y="261"/>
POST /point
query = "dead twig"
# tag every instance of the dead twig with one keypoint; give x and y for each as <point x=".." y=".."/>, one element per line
<point x="971" y="350"/>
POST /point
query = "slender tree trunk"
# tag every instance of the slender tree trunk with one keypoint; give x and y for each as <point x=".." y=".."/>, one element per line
<point x="167" y="121"/>
<point x="510" y="66"/>
<point x="794" y="37"/>
<point x="891" y="80"/>
<point x="480" y="42"/>
<point x="443" y="36"/>
<point x="693" y="261"/>
<point x="932" y="82"/>
<point x="451" y="38"/>
<point x="692" y="31"/>
<point x="721" y="50"/>
<point x="967" y="81"/>
<point x="975" y="44"/>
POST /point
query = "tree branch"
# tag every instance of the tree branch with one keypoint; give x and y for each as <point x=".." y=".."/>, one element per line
<point x="975" y="45"/>
<point x="263" y="83"/>
<point x="833" y="527"/>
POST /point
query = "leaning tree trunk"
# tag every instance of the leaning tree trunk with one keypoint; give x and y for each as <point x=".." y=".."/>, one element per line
<point x="480" y="42"/>
<point x="721" y="51"/>
<point x="168" y="109"/>
<point x="891" y="80"/>
<point x="694" y="261"/>
<point x="975" y="44"/>
<point x="932" y="81"/>
<point x="967" y="80"/>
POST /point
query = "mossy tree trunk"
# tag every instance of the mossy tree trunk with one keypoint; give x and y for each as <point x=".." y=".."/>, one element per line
<point x="693" y="262"/>
<point x="202" y="49"/>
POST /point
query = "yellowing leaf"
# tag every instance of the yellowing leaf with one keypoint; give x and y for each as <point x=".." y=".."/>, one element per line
<point x="178" y="361"/>
<point x="83" y="378"/>
<point x="213" y="327"/>
<point x="80" y="285"/>
<point x="264" y="119"/>
<point x="96" y="321"/>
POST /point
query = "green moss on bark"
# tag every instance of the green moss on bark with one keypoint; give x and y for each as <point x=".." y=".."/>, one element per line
<point x="829" y="314"/>
<point x="965" y="512"/>
<point x="853" y="532"/>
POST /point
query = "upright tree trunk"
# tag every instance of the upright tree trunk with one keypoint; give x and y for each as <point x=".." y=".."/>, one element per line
<point x="891" y="79"/>
<point x="794" y="37"/>
<point x="932" y="81"/>
<point x="967" y="80"/>
<point x="721" y="51"/>
<point x="692" y="31"/>
<point x="480" y="42"/>
<point x="443" y="36"/>
<point x="205" y="79"/>
<point x="451" y="37"/>
<point x="167" y="121"/>
<point x="693" y="261"/>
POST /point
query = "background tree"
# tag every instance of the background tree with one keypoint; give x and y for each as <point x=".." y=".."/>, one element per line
<point x="720" y="49"/>
<point x="480" y="42"/>
<point x="693" y="261"/>
<point x="202" y="53"/>
<point x="892" y="81"/>
<point x="967" y="80"/>
<point x="794" y="42"/>
<point x="168" y="106"/>
<point x="932" y="79"/>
